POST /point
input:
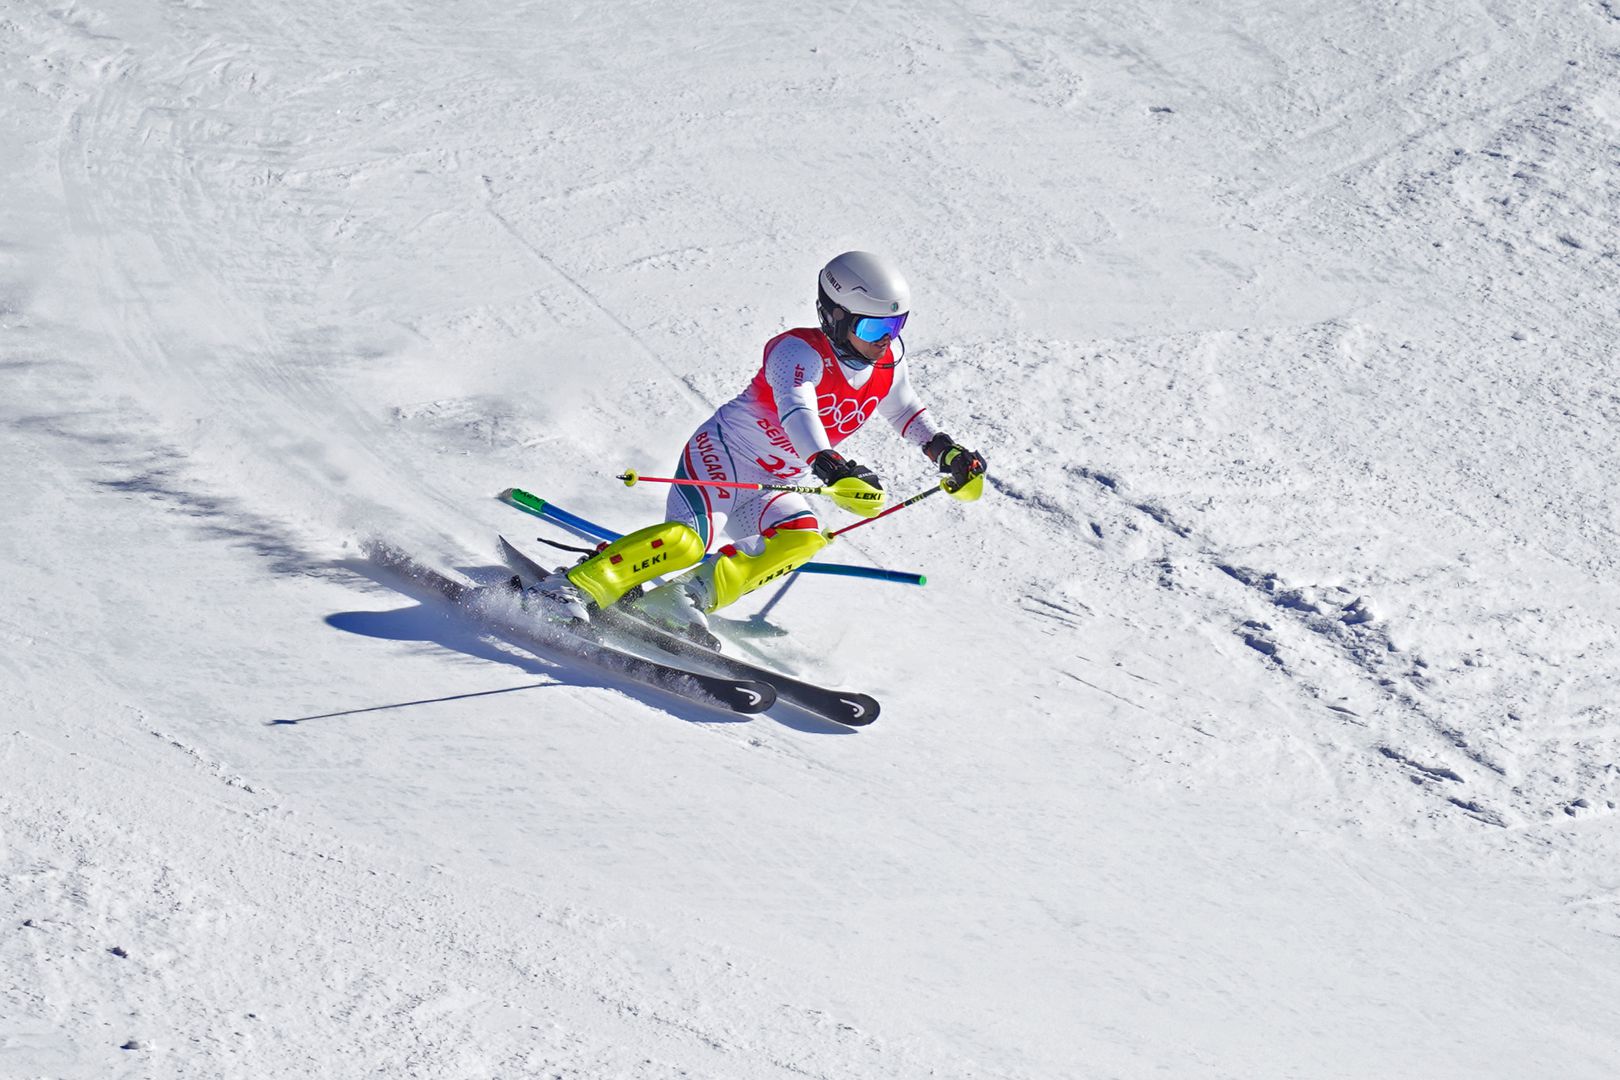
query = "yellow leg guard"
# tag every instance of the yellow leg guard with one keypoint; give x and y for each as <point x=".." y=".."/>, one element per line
<point x="630" y="560"/>
<point x="731" y="577"/>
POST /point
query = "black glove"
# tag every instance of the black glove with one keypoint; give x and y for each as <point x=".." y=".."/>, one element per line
<point x="830" y="467"/>
<point x="955" y="459"/>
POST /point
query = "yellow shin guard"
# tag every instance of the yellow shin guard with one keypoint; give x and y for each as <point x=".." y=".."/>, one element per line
<point x="733" y="576"/>
<point x="647" y="553"/>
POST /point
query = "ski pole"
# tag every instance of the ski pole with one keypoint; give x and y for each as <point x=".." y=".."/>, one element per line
<point x="943" y="485"/>
<point x="631" y="478"/>
<point x="533" y="504"/>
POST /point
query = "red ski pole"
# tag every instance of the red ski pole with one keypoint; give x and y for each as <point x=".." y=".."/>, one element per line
<point x="943" y="485"/>
<point x="631" y="478"/>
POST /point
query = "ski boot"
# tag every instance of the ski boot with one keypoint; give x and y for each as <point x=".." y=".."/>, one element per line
<point x="681" y="607"/>
<point x="557" y="600"/>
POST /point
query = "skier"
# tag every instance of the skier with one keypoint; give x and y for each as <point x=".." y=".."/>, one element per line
<point x="815" y="388"/>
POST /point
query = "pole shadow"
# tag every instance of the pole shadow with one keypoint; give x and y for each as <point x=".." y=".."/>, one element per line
<point x="408" y="704"/>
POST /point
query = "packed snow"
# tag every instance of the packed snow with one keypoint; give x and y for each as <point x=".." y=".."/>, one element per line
<point x="1259" y="722"/>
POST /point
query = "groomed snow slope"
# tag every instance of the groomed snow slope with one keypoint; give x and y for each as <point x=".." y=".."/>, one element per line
<point x="1259" y="722"/>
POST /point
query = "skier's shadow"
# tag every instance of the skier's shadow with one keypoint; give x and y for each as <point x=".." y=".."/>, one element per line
<point x="433" y="621"/>
<point x="424" y="623"/>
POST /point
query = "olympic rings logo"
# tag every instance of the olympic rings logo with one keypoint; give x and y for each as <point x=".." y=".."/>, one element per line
<point x="844" y="415"/>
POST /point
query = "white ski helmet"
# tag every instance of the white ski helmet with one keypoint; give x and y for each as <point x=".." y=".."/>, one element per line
<point x="862" y="292"/>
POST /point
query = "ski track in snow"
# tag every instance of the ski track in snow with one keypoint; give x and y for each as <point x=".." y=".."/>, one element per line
<point x="1258" y="722"/>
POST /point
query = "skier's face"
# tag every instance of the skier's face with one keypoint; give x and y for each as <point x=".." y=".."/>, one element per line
<point x="869" y="350"/>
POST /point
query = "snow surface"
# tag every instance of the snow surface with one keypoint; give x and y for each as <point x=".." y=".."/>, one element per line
<point x="1260" y="722"/>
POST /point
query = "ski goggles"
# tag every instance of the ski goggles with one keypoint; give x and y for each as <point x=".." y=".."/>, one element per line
<point x="876" y="328"/>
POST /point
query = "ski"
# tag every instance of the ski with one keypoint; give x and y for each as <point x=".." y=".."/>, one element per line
<point x="500" y="609"/>
<point x="842" y="706"/>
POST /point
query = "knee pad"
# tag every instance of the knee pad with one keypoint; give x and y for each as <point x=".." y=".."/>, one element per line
<point x="735" y="573"/>
<point x="629" y="561"/>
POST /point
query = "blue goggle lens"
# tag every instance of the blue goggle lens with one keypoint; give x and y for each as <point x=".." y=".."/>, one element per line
<point x="872" y="328"/>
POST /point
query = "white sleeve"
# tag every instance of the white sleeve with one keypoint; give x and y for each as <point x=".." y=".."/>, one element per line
<point x="905" y="411"/>
<point x="793" y="369"/>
